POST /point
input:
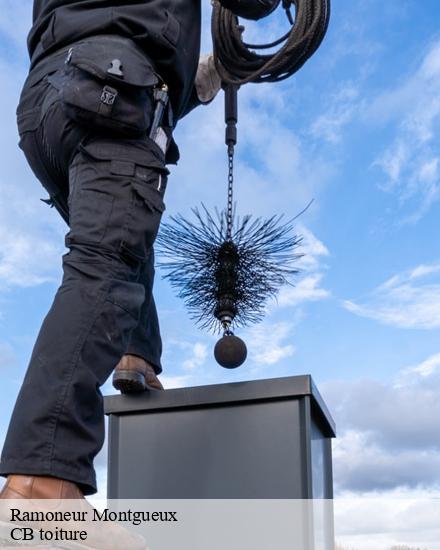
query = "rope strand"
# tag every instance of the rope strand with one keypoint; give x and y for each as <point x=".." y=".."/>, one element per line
<point x="238" y="64"/>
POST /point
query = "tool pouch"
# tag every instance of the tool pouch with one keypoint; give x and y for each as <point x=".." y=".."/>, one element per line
<point x="107" y="83"/>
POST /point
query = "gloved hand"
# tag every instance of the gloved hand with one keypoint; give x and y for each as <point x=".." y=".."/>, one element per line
<point x="208" y="81"/>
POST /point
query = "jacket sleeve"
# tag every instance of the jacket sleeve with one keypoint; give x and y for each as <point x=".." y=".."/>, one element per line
<point x="193" y="102"/>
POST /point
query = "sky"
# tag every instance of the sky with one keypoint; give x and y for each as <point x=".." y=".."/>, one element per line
<point x="357" y="130"/>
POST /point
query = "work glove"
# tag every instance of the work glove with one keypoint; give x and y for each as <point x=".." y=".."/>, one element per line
<point x="208" y="81"/>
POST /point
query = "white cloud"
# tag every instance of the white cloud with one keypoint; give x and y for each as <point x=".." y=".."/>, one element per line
<point x="426" y="368"/>
<point x="276" y="172"/>
<point x="411" y="161"/>
<point x="307" y="286"/>
<point x="306" y="290"/>
<point x="26" y="259"/>
<point x="312" y="248"/>
<point x="198" y="357"/>
<point x="386" y="520"/>
<point x="407" y="300"/>
<point x="422" y="270"/>
<point x="340" y="110"/>
<point x="362" y="465"/>
<point x="388" y="431"/>
<point x="267" y="344"/>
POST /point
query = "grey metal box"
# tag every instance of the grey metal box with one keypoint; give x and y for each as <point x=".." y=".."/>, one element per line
<point x="248" y="440"/>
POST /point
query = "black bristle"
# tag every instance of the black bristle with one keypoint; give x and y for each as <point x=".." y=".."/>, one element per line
<point x="208" y="270"/>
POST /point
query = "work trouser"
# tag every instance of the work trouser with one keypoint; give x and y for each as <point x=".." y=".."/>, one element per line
<point x="112" y="192"/>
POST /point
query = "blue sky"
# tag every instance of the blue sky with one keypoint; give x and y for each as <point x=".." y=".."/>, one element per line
<point x="357" y="130"/>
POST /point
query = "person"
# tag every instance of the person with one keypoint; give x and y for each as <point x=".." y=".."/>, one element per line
<point x="108" y="184"/>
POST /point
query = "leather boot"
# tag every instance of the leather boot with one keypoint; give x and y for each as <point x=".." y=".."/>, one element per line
<point x="39" y="487"/>
<point x="134" y="374"/>
<point x="50" y="495"/>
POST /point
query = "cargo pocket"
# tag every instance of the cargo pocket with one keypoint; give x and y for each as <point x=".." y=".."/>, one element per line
<point x="90" y="213"/>
<point x="134" y="174"/>
<point x="148" y="184"/>
<point x="90" y="201"/>
<point x="108" y="83"/>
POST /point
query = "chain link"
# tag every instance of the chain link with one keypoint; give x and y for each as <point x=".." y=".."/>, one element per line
<point x="230" y="193"/>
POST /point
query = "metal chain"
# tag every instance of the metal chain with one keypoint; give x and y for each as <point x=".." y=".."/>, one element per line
<point x="230" y="192"/>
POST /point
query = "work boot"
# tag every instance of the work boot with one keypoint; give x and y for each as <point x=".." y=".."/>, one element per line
<point x="31" y="494"/>
<point x="134" y="374"/>
<point x="39" y="487"/>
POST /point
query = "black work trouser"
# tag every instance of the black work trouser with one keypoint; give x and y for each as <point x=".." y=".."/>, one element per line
<point x="112" y="191"/>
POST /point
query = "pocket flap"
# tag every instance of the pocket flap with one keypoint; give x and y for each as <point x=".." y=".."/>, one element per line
<point x="123" y="154"/>
<point x="152" y="197"/>
<point x="114" y="59"/>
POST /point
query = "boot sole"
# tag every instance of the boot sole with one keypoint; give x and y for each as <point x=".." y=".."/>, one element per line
<point x="127" y="381"/>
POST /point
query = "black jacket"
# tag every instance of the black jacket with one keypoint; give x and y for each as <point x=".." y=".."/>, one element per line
<point x="167" y="30"/>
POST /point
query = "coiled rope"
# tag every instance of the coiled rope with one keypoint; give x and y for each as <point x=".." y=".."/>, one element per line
<point x="238" y="63"/>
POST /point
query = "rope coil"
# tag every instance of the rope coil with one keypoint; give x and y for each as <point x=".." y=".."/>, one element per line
<point x="238" y="63"/>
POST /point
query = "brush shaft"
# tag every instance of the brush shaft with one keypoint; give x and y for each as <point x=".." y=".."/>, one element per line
<point x="231" y="114"/>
